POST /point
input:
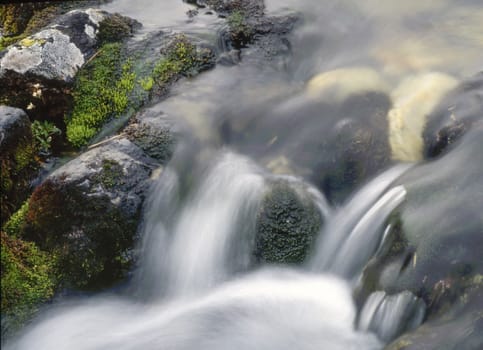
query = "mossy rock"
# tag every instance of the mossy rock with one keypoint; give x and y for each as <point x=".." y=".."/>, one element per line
<point x="48" y="88"/>
<point x="180" y="57"/>
<point x="28" y="280"/>
<point x="101" y="92"/>
<point x="17" y="157"/>
<point x="116" y="28"/>
<point x="287" y="225"/>
<point x="92" y="254"/>
<point x="107" y="183"/>
<point x="154" y="134"/>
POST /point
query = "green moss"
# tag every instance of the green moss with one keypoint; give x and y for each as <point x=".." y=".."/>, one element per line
<point x="17" y="168"/>
<point x="166" y="70"/>
<point x="27" y="281"/>
<point x="111" y="174"/>
<point x="15" y="225"/>
<point x="240" y="30"/>
<point x="286" y="226"/>
<point x="101" y="92"/>
<point x="113" y="29"/>
<point x="147" y="83"/>
<point x="180" y="58"/>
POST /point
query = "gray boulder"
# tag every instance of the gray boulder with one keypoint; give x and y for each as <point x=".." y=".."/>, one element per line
<point x="36" y="73"/>
<point x="88" y="212"/>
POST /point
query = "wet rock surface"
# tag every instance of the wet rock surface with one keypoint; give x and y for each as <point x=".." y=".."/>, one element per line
<point x="356" y="148"/>
<point x="434" y="246"/>
<point x="287" y="225"/>
<point x="454" y="116"/>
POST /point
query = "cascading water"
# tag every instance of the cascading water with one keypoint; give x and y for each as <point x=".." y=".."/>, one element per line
<point x="355" y="229"/>
<point x="212" y="234"/>
<point x="188" y="258"/>
<point x="197" y="286"/>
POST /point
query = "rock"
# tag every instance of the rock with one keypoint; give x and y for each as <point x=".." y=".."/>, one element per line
<point x="453" y="117"/>
<point x="155" y="134"/>
<point x="37" y="73"/>
<point x="18" y="165"/>
<point x="248" y="26"/>
<point x="459" y="329"/>
<point x="339" y="84"/>
<point x="413" y="100"/>
<point x="435" y="249"/>
<point x="87" y="212"/>
<point x="287" y="224"/>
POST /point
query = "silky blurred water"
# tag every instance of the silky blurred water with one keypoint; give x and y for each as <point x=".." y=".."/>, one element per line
<point x="196" y="286"/>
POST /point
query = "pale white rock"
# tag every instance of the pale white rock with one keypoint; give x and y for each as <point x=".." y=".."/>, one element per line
<point x="49" y="54"/>
<point x="89" y="30"/>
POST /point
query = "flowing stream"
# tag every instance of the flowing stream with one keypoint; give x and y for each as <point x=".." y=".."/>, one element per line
<point x="197" y="285"/>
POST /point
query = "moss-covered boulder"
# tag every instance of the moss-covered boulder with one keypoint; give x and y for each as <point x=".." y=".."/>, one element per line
<point x="287" y="224"/>
<point x="17" y="159"/>
<point x="87" y="213"/>
<point x="37" y="73"/>
<point x="28" y="280"/>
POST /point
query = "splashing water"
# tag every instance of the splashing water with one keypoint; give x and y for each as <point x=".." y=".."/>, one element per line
<point x="272" y="309"/>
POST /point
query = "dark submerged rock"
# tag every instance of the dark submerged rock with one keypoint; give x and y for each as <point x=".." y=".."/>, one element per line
<point x="459" y="110"/>
<point x="336" y="145"/>
<point x="434" y="248"/>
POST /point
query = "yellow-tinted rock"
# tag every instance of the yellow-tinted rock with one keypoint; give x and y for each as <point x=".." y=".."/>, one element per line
<point x="338" y="84"/>
<point x="413" y="100"/>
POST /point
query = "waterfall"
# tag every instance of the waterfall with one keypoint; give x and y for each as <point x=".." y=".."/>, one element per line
<point x="199" y="294"/>
<point x="390" y="315"/>
<point x="198" y="282"/>
<point x="212" y="234"/>
<point x="353" y="232"/>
